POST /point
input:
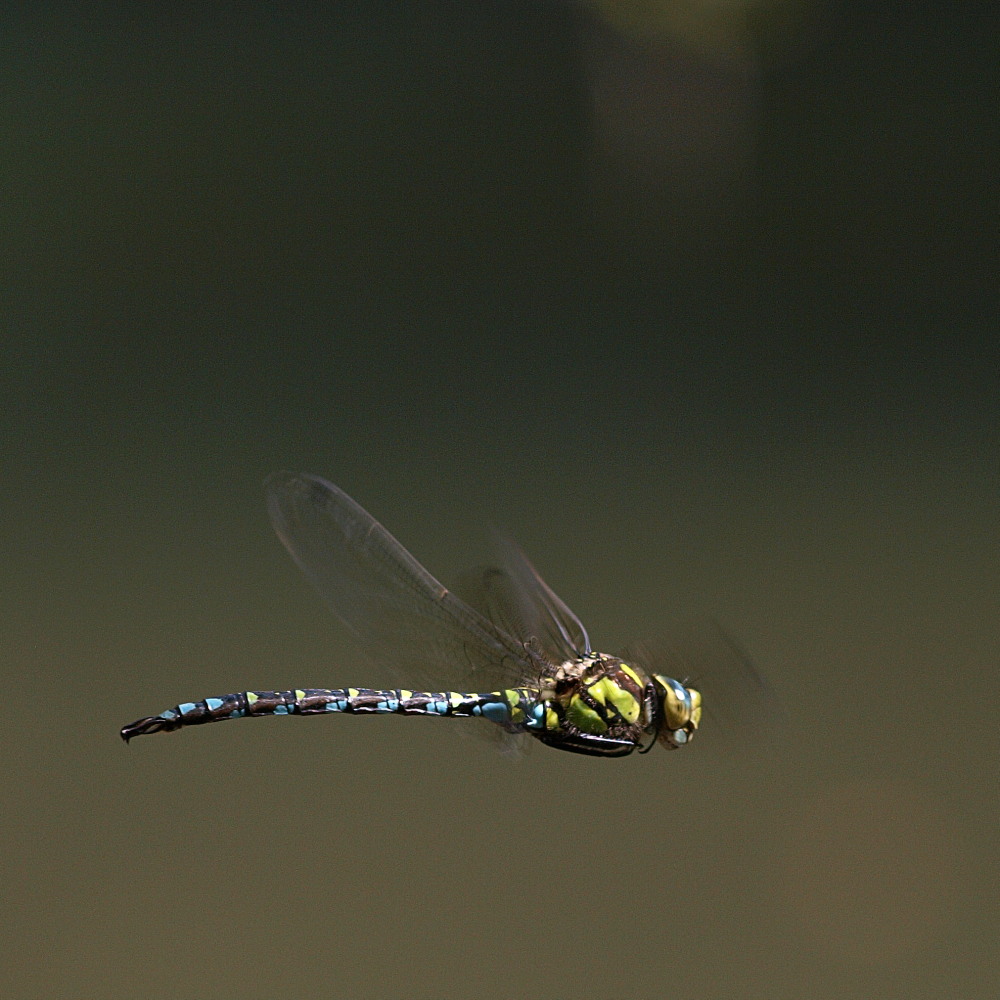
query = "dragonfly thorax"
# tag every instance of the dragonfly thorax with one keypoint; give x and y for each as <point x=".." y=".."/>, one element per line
<point x="595" y="704"/>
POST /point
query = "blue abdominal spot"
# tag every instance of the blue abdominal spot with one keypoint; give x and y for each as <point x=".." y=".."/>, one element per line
<point x="496" y="711"/>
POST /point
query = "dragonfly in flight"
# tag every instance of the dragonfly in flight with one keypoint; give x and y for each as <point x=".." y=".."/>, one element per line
<point x="512" y="654"/>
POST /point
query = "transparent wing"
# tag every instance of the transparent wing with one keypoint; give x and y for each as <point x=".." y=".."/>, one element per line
<point x="402" y="617"/>
<point x="543" y="613"/>
<point x="740" y="706"/>
<point x="522" y="604"/>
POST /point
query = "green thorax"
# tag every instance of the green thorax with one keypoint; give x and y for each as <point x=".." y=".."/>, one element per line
<point x="598" y="695"/>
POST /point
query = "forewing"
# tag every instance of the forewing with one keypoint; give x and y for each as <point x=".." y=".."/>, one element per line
<point x="402" y="617"/>
<point x="740" y="706"/>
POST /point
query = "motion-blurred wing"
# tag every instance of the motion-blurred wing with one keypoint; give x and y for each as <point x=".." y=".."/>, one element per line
<point x="523" y="605"/>
<point x="740" y="705"/>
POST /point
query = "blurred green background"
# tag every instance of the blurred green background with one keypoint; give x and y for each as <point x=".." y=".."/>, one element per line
<point x="698" y="301"/>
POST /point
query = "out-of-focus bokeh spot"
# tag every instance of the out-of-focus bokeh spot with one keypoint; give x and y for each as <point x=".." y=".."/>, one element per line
<point x="675" y="97"/>
<point x="672" y="136"/>
<point x="718" y="29"/>
<point x="874" y="871"/>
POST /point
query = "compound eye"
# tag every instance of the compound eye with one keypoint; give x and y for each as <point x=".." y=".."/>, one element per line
<point x="695" y="696"/>
<point x="677" y="703"/>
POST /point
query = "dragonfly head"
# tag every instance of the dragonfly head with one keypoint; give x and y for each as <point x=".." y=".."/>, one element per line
<point x="679" y="711"/>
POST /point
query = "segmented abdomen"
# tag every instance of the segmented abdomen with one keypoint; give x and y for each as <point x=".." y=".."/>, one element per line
<point x="502" y="707"/>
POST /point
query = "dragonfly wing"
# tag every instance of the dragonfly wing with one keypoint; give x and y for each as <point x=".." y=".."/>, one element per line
<point x="522" y="604"/>
<point x="740" y="705"/>
<point x="402" y="617"/>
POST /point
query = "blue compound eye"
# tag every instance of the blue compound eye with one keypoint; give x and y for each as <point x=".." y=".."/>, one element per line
<point x="680" y="709"/>
<point x="676" y="702"/>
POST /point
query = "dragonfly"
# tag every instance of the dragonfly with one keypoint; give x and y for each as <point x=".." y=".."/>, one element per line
<point x="511" y="654"/>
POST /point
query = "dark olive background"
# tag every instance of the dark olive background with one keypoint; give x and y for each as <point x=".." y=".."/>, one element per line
<point x="701" y="308"/>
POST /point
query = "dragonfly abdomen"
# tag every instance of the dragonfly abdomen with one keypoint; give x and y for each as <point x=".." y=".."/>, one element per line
<point x="505" y="708"/>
